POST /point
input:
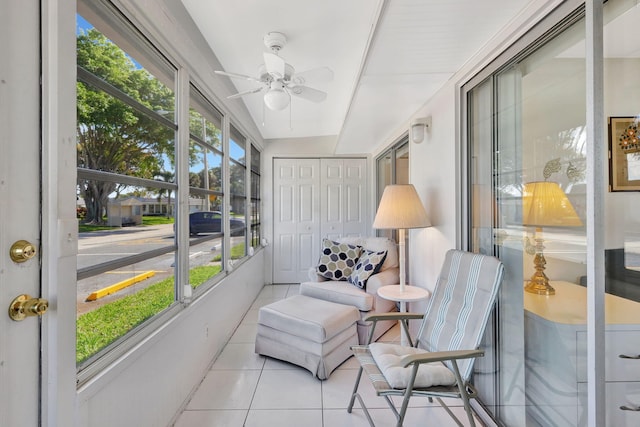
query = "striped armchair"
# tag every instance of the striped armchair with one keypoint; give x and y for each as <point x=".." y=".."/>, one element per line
<point x="448" y="340"/>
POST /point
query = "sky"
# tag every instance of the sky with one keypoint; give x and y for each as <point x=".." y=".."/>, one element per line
<point x="82" y="25"/>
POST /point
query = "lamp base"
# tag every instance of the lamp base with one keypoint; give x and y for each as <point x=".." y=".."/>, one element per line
<point x="539" y="288"/>
<point x="539" y="283"/>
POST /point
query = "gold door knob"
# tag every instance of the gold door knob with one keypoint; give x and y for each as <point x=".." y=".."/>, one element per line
<point x="22" y="251"/>
<point x="23" y="306"/>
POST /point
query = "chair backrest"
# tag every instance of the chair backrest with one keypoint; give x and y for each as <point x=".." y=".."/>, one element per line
<point x="460" y="305"/>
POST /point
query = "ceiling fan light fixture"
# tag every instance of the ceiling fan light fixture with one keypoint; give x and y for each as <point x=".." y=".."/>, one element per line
<point x="276" y="98"/>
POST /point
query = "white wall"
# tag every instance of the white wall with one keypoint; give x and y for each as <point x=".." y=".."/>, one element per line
<point x="433" y="171"/>
<point x="151" y="383"/>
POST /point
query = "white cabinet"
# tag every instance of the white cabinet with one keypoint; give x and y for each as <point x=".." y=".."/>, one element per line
<point x="556" y="358"/>
<point x="313" y="199"/>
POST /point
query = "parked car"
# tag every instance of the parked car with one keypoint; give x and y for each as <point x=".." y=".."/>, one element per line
<point x="211" y="222"/>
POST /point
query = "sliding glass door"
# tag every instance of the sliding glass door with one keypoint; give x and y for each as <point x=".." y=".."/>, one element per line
<point x="526" y="188"/>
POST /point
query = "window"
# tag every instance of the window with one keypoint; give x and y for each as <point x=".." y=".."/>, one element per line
<point x="128" y="161"/>
<point x="206" y="196"/>
<point x="126" y="158"/>
<point x="256" y="236"/>
<point x="392" y="168"/>
<point x="238" y="194"/>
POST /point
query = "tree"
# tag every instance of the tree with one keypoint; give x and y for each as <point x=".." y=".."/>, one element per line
<point x="165" y="176"/>
<point x="112" y="136"/>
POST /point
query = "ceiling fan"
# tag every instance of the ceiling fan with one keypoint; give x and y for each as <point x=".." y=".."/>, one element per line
<point x="278" y="80"/>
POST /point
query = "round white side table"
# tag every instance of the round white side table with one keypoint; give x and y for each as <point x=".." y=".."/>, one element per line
<point x="410" y="294"/>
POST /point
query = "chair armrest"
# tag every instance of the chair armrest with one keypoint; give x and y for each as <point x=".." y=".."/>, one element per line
<point x="393" y="316"/>
<point x="404" y="317"/>
<point x="440" y="356"/>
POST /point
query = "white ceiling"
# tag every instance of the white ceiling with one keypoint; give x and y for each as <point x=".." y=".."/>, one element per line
<point x="388" y="57"/>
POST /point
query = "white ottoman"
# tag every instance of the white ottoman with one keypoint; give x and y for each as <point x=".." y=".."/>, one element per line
<point x="308" y="332"/>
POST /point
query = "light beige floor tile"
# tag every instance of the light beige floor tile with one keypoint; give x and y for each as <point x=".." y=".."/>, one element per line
<point x="285" y="418"/>
<point x="276" y="364"/>
<point x="437" y="416"/>
<point x="261" y="302"/>
<point x="357" y="418"/>
<point x="293" y="290"/>
<point x="238" y="356"/>
<point x="251" y="317"/>
<point x="350" y="363"/>
<point x="225" y="390"/>
<point x="245" y="333"/>
<point x="287" y="389"/>
<point x="415" y="417"/>
<point x="212" y="418"/>
<point x="273" y="291"/>
<point x="417" y="402"/>
<point x="337" y="390"/>
<point x="392" y="335"/>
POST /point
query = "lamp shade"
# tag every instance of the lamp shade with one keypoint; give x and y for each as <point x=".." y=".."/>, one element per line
<point x="400" y="207"/>
<point x="544" y="204"/>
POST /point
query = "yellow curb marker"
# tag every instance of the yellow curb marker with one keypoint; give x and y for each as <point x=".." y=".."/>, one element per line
<point x="120" y="285"/>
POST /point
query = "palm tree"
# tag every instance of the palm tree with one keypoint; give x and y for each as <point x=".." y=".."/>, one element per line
<point x="165" y="176"/>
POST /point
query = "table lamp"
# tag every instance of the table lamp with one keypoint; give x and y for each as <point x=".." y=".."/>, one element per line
<point x="400" y="208"/>
<point x="544" y="204"/>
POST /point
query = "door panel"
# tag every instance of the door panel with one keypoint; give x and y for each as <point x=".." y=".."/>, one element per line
<point x="297" y="224"/>
<point x="355" y="203"/>
<point x="331" y="198"/>
<point x="20" y="208"/>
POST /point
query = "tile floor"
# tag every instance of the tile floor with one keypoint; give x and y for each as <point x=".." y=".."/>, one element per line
<point x="245" y="389"/>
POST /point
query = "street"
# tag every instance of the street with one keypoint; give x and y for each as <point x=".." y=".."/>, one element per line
<point x="97" y="247"/>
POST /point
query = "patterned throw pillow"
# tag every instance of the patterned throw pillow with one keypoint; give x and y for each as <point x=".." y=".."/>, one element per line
<point x="337" y="260"/>
<point x="368" y="265"/>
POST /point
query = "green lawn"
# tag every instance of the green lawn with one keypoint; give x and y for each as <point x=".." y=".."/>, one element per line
<point x="146" y="220"/>
<point x="100" y="327"/>
<point x="155" y="220"/>
<point x="237" y="252"/>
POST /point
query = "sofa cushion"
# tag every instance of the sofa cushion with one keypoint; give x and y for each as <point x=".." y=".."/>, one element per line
<point x="376" y="244"/>
<point x="337" y="260"/>
<point x="339" y="292"/>
<point x="368" y="264"/>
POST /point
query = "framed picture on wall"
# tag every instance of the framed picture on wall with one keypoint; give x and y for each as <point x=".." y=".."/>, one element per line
<point x="624" y="153"/>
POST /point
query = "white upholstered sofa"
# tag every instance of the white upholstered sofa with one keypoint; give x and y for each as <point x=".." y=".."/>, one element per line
<point x="366" y="301"/>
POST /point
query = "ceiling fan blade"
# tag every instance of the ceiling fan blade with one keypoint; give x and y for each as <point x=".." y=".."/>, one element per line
<point x="246" y="92"/>
<point x="315" y="75"/>
<point x="274" y="65"/>
<point x="308" y="93"/>
<point x="237" y="76"/>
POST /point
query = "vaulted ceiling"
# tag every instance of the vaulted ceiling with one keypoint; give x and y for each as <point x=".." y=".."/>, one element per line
<point x="389" y="57"/>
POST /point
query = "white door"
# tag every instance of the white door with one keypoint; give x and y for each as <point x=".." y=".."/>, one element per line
<point x="19" y="209"/>
<point x="296" y="228"/>
<point x="343" y="198"/>
<point x="331" y="198"/>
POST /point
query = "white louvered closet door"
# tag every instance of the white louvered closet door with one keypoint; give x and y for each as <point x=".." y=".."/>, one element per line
<point x="313" y="199"/>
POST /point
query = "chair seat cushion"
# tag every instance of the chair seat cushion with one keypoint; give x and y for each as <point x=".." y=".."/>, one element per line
<point x="338" y="292"/>
<point x="388" y="356"/>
